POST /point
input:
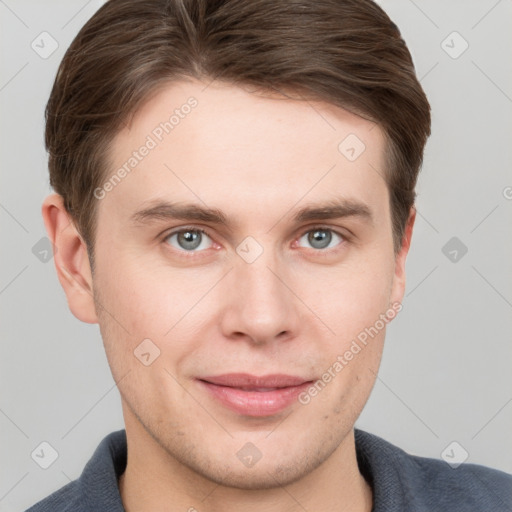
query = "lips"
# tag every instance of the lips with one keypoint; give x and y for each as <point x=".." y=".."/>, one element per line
<point x="251" y="395"/>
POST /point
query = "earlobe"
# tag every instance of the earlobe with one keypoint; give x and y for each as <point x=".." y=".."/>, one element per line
<point x="400" y="259"/>
<point x="71" y="259"/>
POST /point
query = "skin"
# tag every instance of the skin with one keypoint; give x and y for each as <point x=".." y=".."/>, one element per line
<point x="294" y="310"/>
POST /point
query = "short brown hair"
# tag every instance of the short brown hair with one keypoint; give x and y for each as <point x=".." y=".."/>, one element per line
<point x="344" y="52"/>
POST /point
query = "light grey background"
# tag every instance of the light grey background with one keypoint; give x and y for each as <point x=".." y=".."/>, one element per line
<point x="446" y="373"/>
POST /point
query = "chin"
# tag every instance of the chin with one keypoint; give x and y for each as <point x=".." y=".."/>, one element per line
<point x="272" y="471"/>
<point x="253" y="479"/>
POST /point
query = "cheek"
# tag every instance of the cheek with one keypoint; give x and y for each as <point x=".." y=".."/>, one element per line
<point x="352" y="297"/>
<point x="142" y="299"/>
<point x="136" y="317"/>
<point x="353" y="306"/>
<point x="146" y="300"/>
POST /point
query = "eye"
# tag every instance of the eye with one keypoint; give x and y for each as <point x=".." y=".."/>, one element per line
<point x="189" y="240"/>
<point x="321" y="238"/>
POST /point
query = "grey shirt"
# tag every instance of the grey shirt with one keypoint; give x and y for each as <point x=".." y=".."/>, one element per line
<point x="400" y="482"/>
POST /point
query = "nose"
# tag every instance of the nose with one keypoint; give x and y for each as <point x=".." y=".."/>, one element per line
<point x="259" y="304"/>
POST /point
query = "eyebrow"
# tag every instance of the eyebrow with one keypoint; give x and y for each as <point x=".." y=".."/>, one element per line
<point x="164" y="210"/>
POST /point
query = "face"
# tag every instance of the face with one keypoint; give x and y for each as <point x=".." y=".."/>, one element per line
<point x="240" y="260"/>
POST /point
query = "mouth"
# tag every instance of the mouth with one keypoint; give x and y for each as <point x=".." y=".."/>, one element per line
<point x="250" y="395"/>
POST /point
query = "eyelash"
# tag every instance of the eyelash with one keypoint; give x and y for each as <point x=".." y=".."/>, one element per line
<point x="326" y="252"/>
<point x="321" y="252"/>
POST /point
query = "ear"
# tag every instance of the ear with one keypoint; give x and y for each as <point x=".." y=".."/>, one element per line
<point x="71" y="259"/>
<point x="398" y="287"/>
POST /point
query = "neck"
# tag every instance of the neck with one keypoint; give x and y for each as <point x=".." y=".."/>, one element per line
<point x="154" y="480"/>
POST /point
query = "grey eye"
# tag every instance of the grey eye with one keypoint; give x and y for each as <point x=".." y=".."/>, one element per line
<point x="321" y="238"/>
<point x="189" y="240"/>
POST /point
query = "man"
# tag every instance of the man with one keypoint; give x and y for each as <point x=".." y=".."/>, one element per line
<point x="234" y="206"/>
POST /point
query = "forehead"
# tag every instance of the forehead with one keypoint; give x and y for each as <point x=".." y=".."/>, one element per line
<point x="224" y="146"/>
